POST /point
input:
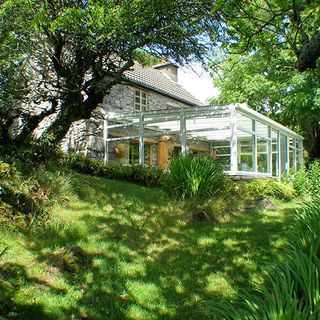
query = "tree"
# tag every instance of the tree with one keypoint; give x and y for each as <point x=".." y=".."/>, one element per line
<point x="273" y="47"/>
<point x="59" y="58"/>
<point x="272" y="86"/>
<point x="293" y="25"/>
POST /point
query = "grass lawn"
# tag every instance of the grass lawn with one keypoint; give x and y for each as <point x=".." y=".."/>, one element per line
<point x="149" y="259"/>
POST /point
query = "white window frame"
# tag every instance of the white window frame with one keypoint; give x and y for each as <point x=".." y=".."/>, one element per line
<point x="142" y="97"/>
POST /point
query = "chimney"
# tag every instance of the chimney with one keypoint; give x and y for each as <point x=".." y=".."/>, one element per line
<point x="168" y="68"/>
<point x="164" y="58"/>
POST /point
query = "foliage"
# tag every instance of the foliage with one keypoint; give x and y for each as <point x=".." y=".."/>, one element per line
<point x="20" y="200"/>
<point x="150" y="261"/>
<point x="270" y="24"/>
<point x="60" y="58"/>
<point x="151" y="177"/>
<point x="195" y="177"/>
<point x="269" y="188"/>
<point x="274" y="41"/>
<point x="268" y="83"/>
<point x="26" y="193"/>
<point x="293" y="286"/>
<point x="305" y="181"/>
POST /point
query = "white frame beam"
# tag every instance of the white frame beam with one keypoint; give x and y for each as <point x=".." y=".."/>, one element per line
<point x="233" y="143"/>
<point x="189" y="123"/>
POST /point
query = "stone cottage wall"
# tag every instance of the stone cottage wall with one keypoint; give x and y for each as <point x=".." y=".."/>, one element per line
<point x="87" y="137"/>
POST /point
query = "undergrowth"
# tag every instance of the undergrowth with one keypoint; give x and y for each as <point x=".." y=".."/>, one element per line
<point x="26" y="197"/>
<point x="150" y="177"/>
<point x="114" y="250"/>
<point x="292" y="289"/>
<point x="305" y="181"/>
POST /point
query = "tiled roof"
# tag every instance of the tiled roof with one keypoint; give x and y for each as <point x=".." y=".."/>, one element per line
<point x="154" y="80"/>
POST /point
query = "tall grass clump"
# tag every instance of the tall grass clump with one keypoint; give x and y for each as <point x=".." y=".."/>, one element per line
<point x="292" y="289"/>
<point x="21" y="200"/>
<point x="195" y="177"/>
<point x="305" y="181"/>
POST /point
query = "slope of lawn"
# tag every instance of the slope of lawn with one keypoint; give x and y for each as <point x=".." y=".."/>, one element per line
<point x="148" y="259"/>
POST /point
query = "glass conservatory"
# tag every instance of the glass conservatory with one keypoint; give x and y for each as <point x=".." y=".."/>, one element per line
<point x="247" y="142"/>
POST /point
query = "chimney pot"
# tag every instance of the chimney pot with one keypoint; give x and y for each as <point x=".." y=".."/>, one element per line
<point x="164" y="58"/>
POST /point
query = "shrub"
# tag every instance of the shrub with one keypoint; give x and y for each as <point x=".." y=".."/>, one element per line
<point x="292" y="289"/>
<point x="305" y="181"/>
<point x="151" y="177"/>
<point x="20" y="202"/>
<point x="269" y="188"/>
<point x="195" y="177"/>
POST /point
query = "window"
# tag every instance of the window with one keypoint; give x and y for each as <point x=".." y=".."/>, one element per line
<point x="140" y="100"/>
<point x="134" y="153"/>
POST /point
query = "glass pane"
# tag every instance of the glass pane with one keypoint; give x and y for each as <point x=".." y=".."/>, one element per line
<point x="134" y="153"/>
<point x="292" y="153"/>
<point x="244" y="121"/>
<point x="221" y="150"/>
<point x="262" y="155"/>
<point x="144" y="95"/>
<point x="118" y="151"/>
<point x="262" y="147"/>
<point x="261" y="130"/>
<point x="245" y="152"/>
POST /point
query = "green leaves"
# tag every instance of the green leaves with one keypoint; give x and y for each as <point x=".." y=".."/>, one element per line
<point x="292" y="289"/>
<point x="195" y="177"/>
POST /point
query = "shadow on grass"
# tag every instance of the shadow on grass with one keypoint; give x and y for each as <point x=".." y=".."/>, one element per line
<point x="151" y="261"/>
<point x="13" y="278"/>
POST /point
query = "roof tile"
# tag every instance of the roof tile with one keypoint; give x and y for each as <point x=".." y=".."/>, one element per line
<point x="157" y="81"/>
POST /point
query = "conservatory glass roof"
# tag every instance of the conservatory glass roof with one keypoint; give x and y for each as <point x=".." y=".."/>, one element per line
<point x="245" y="139"/>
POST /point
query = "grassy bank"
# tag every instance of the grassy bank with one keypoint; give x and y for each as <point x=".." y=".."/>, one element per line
<point x="145" y="257"/>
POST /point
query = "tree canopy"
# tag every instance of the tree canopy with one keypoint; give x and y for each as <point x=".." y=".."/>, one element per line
<point x="293" y="25"/>
<point x="59" y="58"/>
<point x="278" y="90"/>
<point x="271" y="55"/>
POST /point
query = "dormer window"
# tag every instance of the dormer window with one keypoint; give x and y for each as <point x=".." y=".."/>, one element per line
<point x="140" y="100"/>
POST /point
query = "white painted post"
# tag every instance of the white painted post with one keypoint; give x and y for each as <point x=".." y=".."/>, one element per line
<point x="141" y="139"/>
<point x="183" y="132"/>
<point x="278" y="166"/>
<point x="300" y="159"/>
<point x="287" y="154"/>
<point x="233" y="142"/>
<point x="254" y="147"/>
<point x="106" y="141"/>
<point x="269" y="151"/>
<point x="294" y="150"/>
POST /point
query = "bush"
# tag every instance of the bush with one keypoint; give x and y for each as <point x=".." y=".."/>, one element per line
<point x="195" y="177"/>
<point x="20" y="202"/>
<point x="306" y="181"/>
<point x="151" y="177"/>
<point x="292" y="289"/>
<point x="269" y="188"/>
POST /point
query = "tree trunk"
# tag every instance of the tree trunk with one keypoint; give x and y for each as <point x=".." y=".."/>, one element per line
<point x="73" y="108"/>
<point x="313" y="142"/>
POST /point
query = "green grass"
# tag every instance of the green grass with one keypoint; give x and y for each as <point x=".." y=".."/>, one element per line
<point x="150" y="260"/>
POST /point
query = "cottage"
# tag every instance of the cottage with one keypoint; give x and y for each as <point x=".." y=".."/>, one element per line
<point x="151" y="119"/>
<point x="146" y="89"/>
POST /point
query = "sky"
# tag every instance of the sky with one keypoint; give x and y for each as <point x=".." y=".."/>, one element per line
<point x="197" y="81"/>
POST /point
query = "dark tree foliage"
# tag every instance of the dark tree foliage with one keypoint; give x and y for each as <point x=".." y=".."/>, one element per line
<point x="59" y="58"/>
<point x="294" y="25"/>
